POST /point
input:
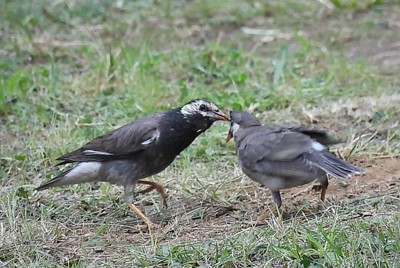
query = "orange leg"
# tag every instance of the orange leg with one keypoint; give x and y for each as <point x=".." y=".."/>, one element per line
<point x="322" y="187"/>
<point x="148" y="222"/>
<point x="266" y="214"/>
<point x="276" y="197"/>
<point x="153" y="185"/>
<point x="323" y="192"/>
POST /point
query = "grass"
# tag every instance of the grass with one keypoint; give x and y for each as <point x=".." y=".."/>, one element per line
<point x="71" y="70"/>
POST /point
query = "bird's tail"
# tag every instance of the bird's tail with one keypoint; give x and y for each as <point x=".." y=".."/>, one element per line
<point x="82" y="173"/>
<point x="336" y="167"/>
<point x="56" y="181"/>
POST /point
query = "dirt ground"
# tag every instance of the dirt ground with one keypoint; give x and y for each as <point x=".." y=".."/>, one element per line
<point x="382" y="179"/>
<point x="382" y="176"/>
<point x="191" y="221"/>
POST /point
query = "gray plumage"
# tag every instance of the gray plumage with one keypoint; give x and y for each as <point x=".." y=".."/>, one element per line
<point x="280" y="157"/>
<point x="138" y="150"/>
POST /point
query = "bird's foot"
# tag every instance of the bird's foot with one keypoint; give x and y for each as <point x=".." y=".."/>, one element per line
<point x="155" y="186"/>
<point x="261" y="219"/>
<point x="152" y="225"/>
<point x="314" y="209"/>
<point x="322" y="188"/>
<point x="265" y="214"/>
<point x="317" y="187"/>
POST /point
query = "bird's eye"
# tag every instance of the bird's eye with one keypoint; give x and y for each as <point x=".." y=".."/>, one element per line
<point x="202" y="107"/>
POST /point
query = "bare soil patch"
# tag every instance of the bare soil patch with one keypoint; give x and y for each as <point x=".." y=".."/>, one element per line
<point x="381" y="180"/>
<point x="382" y="177"/>
<point x="188" y="221"/>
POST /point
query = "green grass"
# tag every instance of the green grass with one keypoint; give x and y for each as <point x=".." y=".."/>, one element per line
<point x="71" y="70"/>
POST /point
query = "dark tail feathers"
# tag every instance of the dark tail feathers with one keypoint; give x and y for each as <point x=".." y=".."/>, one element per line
<point x="334" y="166"/>
<point x="52" y="182"/>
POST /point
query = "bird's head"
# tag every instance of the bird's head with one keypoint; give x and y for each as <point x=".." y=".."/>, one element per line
<point x="202" y="110"/>
<point x="240" y="120"/>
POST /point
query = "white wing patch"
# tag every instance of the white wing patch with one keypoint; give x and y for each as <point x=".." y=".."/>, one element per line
<point x="94" y="152"/>
<point x="317" y="146"/>
<point x="147" y="142"/>
<point x="155" y="136"/>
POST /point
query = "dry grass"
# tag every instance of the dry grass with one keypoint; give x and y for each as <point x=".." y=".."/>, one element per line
<point x="71" y="70"/>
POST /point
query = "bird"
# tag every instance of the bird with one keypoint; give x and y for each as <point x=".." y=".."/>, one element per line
<point x="142" y="148"/>
<point x="280" y="157"/>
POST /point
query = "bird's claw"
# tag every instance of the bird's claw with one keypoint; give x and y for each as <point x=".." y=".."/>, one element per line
<point x="317" y="187"/>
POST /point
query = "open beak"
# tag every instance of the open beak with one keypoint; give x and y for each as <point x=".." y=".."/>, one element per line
<point x="217" y="115"/>
<point x="229" y="136"/>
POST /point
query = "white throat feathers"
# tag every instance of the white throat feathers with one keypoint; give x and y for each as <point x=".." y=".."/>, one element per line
<point x="235" y="127"/>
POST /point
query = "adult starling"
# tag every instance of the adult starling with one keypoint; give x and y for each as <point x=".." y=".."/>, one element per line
<point x="137" y="150"/>
<point x="280" y="157"/>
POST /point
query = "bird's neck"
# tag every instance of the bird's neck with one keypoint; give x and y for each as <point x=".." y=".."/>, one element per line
<point x="180" y="131"/>
<point x="242" y="133"/>
<point x="186" y="123"/>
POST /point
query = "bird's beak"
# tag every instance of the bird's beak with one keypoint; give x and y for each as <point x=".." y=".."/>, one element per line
<point x="217" y="115"/>
<point x="229" y="136"/>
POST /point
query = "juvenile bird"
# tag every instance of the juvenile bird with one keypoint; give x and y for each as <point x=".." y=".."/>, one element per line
<point x="280" y="157"/>
<point x="137" y="150"/>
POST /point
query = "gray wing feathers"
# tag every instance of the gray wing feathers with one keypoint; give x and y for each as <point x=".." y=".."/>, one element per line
<point x="268" y="151"/>
<point x="281" y="152"/>
<point x="319" y="135"/>
<point x="298" y="168"/>
<point x="274" y="146"/>
<point x="333" y="165"/>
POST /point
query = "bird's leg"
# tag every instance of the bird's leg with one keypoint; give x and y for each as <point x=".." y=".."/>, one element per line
<point x="153" y="185"/>
<point x="146" y="220"/>
<point x="266" y="214"/>
<point x="276" y="197"/>
<point x="128" y="195"/>
<point x="317" y="187"/>
<point x="324" y="187"/>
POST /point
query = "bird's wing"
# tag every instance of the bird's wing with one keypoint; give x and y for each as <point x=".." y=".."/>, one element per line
<point x="319" y="135"/>
<point x="298" y="168"/>
<point x="119" y="143"/>
<point x="276" y="152"/>
<point x="274" y="144"/>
